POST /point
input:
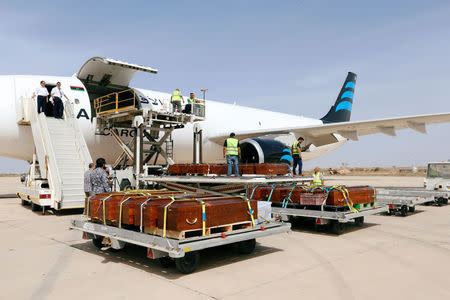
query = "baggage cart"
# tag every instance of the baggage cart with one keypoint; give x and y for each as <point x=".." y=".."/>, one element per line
<point x="336" y="219"/>
<point x="184" y="252"/>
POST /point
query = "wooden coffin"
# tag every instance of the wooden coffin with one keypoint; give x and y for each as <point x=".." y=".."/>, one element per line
<point x="218" y="169"/>
<point x="271" y="169"/>
<point x="221" y="169"/>
<point x="357" y="195"/>
<point x="289" y="194"/>
<point x="247" y="169"/>
<point x="108" y="204"/>
<point x="150" y="208"/>
<point x="131" y="209"/>
<point x="186" y="215"/>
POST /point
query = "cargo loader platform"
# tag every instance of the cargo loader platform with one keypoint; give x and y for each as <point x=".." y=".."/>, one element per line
<point x="185" y="252"/>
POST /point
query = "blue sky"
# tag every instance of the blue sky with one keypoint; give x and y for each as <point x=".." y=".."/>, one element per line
<point x="288" y="56"/>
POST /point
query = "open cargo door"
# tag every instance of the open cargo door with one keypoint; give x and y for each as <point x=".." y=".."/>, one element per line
<point x="105" y="76"/>
<point x="106" y="71"/>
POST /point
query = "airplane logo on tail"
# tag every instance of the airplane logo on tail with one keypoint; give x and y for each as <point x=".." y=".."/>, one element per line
<point x="347" y="97"/>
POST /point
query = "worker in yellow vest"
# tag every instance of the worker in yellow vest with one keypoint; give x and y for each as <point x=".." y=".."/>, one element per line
<point x="190" y="101"/>
<point x="176" y="100"/>
<point x="297" y="156"/>
<point x="317" y="177"/>
<point x="232" y="152"/>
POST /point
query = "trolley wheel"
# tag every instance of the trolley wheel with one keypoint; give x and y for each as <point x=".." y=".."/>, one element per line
<point x="440" y="201"/>
<point x="166" y="262"/>
<point x="404" y="210"/>
<point x="34" y="206"/>
<point x="445" y="201"/>
<point x="359" y="221"/>
<point x="188" y="263"/>
<point x="25" y="202"/>
<point x="337" y="227"/>
<point x="98" y="242"/>
<point x="246" y="247"/>
<point x="412" y="209"/>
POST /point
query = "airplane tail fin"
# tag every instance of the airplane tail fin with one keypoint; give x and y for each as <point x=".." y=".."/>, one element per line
<point x="342" y="108"/>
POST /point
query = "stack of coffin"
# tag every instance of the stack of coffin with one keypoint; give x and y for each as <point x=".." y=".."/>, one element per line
<point x="184" y="216"/>
<point x="358" y="195"/>
<point x="221" y="169"/>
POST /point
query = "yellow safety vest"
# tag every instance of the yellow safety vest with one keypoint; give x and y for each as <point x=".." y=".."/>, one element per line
<point x="295" y="149"/>
<point x="232" y="146"/>
<point x="316" y="179"/>
<point x="176" y="96"/>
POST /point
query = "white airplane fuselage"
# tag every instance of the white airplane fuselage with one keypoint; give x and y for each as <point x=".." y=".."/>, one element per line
<point x="17" y="140"/>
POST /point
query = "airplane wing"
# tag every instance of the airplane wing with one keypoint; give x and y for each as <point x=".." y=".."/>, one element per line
<point x="324" y="134"/>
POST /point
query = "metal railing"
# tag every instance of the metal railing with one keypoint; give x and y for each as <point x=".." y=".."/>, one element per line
<point x="115" y="102"/>
<point x="46" y="151"/>
<point x="80" y="142"/>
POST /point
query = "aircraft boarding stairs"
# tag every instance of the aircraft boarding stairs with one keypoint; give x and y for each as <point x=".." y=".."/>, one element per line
<point x="63" y="158"/>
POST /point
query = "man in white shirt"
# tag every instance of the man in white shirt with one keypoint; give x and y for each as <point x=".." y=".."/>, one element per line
<point x="42" y="97"/>
<point x="58" y="106"/>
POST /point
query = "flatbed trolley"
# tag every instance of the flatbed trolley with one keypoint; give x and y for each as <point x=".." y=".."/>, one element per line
<point x="405" y="200"/>
<point x="336" y="219"/>
<point x="185" y="252"/>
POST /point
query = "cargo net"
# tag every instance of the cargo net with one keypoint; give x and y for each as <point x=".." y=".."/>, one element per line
<point x="172" y="214"/>
<point x="326" y="197"/>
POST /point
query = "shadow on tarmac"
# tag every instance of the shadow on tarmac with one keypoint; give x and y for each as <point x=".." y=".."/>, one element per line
<point x="308" y="225"/>
<point x="397" y="214"/>
<point x="135" y="256"/>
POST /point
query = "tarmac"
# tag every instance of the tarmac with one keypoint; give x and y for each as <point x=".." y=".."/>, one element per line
<point x="390" y="257"/>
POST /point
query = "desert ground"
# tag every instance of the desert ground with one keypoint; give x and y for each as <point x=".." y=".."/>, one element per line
<point x="390" y="257"/>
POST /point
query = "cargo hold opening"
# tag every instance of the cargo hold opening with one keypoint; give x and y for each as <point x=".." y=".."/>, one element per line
<point x="95" y="91"/>
<point x="103" y="76"/>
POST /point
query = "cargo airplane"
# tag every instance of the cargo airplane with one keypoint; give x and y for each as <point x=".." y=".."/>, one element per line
<point x="263" y="134"/>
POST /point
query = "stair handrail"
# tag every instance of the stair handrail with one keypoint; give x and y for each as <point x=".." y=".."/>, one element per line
<point x="80" y="142"/>
<point x="49" y="164"/>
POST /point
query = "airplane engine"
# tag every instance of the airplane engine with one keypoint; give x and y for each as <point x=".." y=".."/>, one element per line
<point x="264" y="151"/>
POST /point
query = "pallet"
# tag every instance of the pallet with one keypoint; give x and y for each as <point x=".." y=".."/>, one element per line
<point x="185" y="234"/>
